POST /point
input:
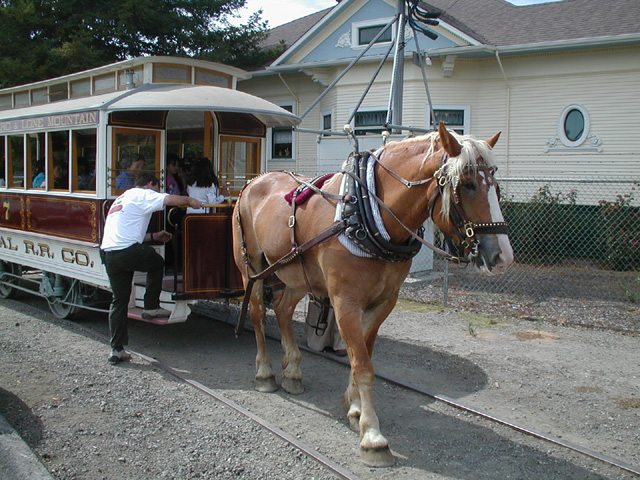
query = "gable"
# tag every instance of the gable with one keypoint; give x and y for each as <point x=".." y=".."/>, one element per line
<point x="335" y="37"/>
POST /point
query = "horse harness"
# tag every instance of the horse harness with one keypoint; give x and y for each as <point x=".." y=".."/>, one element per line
<point x="359" y="226"/>
<point x="465" y="228"/>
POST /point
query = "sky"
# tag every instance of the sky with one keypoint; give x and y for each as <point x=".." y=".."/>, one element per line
<point x="278" y="12"/>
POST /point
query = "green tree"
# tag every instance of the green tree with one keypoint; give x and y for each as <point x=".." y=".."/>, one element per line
<point x="42" y="39"/>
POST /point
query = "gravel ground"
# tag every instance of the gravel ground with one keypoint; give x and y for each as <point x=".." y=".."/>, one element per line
<point x="88" y="420"/>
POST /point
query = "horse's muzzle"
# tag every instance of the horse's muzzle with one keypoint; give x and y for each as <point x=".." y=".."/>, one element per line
<point x="495" y="254"/>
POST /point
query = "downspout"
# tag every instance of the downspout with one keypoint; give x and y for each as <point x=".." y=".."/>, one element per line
<point x="508" y="112"/>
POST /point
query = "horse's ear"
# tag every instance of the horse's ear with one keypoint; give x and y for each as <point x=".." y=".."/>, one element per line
<point x="493" y="140"/>
<point x="449" y="142"/>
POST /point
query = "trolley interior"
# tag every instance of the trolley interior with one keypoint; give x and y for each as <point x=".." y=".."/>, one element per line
<point x="65" y="147"/>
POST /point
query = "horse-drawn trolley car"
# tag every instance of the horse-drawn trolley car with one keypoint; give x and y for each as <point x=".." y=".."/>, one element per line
<point x="65" y="142"/>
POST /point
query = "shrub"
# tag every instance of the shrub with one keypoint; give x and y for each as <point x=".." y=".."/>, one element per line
<point x="621" y="231"/>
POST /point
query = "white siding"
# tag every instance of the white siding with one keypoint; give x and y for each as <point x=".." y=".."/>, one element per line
<point x="526" y="108"/>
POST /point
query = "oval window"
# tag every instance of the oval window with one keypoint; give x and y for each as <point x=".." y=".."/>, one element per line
<point x="573" y="125"/>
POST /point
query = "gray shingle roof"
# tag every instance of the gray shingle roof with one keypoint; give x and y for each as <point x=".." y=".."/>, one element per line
<point x="500" y="23"/>
<point x="292" y="31"/>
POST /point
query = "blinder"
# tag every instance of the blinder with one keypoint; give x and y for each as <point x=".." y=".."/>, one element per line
<point x="465" y="228"/>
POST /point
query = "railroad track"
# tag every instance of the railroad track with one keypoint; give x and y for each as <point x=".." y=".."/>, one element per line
<point x="330" y="464"/>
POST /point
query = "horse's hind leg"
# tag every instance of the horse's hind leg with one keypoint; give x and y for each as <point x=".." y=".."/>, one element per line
<point x="265" y="379"/>
<point x="284" y="307"/>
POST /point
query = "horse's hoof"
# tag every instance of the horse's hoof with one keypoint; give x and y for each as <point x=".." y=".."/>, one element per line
<point x="266" y="385"/>
<point x="292" y="386"/>
<point x="377" y="457"/>
<point x="354" y="423"/>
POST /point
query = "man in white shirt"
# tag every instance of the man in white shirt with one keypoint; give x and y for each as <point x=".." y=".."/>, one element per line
<point x="123" y="251"/>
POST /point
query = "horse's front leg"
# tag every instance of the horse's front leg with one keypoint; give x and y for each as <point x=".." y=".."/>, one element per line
<point x="265" y="379"/>
<point x="284" y="307"/>
<point x="359" y="336"/>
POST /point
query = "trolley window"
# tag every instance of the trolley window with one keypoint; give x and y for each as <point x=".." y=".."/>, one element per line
<point x="16" y="161"/>
<point x="84" y="160"/>
<point x="58" y="161"/>
<point x="36" y="155"/>
<point x="3" y="176"/>
<point x="134" y="151"/>
<point x="239" y="161"/>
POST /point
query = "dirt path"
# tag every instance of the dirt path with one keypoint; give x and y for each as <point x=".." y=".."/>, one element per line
<point x="579" y="384"/>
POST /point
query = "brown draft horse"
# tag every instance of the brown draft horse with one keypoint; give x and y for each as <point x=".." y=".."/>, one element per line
<point x="363" y="291"/>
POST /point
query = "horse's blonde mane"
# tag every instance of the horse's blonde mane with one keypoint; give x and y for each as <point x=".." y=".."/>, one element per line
<point x="472" y="148"/>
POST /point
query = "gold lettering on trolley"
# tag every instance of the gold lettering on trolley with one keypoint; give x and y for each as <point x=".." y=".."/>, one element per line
<point x="44" y="250"/>
<point x="6" y="243"/>
<point x="50" y="121"/>
<point x="29" y="247"/>
<point x="67" y="255"/>
<point x="78" y="257"/>
<point x="6" y="205"/>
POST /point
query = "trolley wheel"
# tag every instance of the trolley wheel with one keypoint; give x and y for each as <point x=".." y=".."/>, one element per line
<point x="69" y="293"/>
<point x="6" y="290"/>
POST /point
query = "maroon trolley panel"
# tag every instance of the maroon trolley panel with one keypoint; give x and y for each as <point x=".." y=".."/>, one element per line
<point x="209" y="269"/>
<point x="74" y="218"/>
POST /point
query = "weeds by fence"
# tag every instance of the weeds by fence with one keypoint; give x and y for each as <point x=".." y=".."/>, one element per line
<point x="581" y="235"/>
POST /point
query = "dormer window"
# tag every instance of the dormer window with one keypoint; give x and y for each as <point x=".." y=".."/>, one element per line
<point x="363" y="32"/>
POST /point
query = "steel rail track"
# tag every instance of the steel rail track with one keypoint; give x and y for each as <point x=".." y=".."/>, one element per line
<point x="483" y="414"/>
<point x="318" y="457"/>
<point x="328" y="463"/>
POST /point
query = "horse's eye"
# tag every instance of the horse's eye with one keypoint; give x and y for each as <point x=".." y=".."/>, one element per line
<point x="472" y="186"/>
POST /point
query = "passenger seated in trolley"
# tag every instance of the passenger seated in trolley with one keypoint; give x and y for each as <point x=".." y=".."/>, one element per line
<point x="60" y="176"/>
<point x="174" y="179"/>
<point x="86" y="174"/>
<point x="39" y="177"/>
<point x="132" y="167"/>
<point x="203" y="185"/>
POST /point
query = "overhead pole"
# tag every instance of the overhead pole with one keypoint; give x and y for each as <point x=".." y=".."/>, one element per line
<point x="394" y="112"/>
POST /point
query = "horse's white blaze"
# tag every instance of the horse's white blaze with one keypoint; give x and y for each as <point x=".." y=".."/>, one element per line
<point x="506" y="257"/>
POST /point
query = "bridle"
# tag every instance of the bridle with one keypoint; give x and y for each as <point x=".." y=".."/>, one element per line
<point x="464" y="228"/>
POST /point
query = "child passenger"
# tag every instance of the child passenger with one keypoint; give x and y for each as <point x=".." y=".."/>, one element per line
<point x="203" y="185"/>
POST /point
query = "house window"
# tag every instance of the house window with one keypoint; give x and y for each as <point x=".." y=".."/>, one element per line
<point x="362" y="33"/>
<point x="455" y="117"/>
<point x="369" y="122"/>
<point x="326" y="122"/>
<point x="366" y="34"/>
<point x="282" y="139"/>
<point x="573" y="125"/>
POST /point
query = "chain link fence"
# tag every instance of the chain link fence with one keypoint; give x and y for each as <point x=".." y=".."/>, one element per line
<point x="572" y="239"/>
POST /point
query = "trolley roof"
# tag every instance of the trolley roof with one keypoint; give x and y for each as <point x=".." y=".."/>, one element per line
<point x="164" y="97"/>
